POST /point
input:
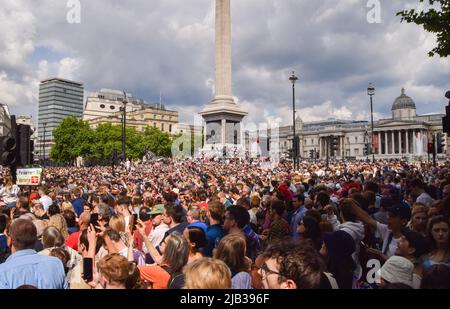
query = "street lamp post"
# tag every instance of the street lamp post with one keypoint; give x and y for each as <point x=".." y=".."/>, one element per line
<point x="293" y="79"/>
<point x="371" y="93"/>
<point x="43" y="148"/>
<point x="124" y="125"/>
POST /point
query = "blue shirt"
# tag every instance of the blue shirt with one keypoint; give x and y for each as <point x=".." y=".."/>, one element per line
<point x="28" y="267"/>
<point x="78" y="206"/>
<point x="214" y="234"/>
<point x="296" y="219"/>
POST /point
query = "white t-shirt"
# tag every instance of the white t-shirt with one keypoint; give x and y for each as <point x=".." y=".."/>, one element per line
<point x="156" y="235"/>
<point x="46" y="202"/>
<point x="384" y="233"/>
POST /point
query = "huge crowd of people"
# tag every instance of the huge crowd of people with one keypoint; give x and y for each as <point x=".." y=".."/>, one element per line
<point x="221" y="224"/>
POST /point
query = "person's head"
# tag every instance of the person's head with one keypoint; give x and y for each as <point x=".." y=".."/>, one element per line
<point x="397" y="269"/>
<point x="4" y="222"/>
<point x="157" y="214"/>
<point x="22" y="235"/>
<point x="22" y="203"/>
<point x="38" y="209"/>
<point x="438" y="232"/>
<point x="411" y="244"/>
<point x="42" y="191"/>
<point x="236" y="217"/>
<point x="84" y="220"/>
<point x="63" y="255"/>
<point x="175" y="250"/>
<point x="76" y="192"/>
<point x="322" y="199"/>
<point x="114" y="271"/>
<point x="436" y="277"/>
<point x="87" y="208"/>
<point x="59" y="222"/>
<point x="419" y="217"/>
<point x="193" y="215"/>
<point x="172" y="214"/>
<point x="52" y="237"/>
<point x="145" y="214"/>
<point x="104" y="213"/>
<point x="122" y="205"/>
<point x="231" y="250"/>
<point x="207" y="273"/>
<point x="398" y="216"/>
<point x="277" y="208"/>
<point x="117" y="223"/>
<point x="255" y="201"/>
<point x="215" y="211"/>
<point x="53" y="210"/>
<point x="346" y="207"/>
<point x="309" y="228"/>
<point x="70" y="217"/>
<point x="83" y="243"/>
<point x="291" y="265"/>
<point x="196" y="238"/>
<point x="337" y="249"/>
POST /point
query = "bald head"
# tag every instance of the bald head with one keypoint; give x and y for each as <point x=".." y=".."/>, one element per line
<point x="85" y="220"/>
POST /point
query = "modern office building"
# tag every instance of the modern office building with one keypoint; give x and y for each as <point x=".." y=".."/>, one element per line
<point x="58" y="99"/>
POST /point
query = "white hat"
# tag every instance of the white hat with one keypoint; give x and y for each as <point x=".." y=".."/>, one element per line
<point x="176" y="190"/>
<point x="397" y="269"/>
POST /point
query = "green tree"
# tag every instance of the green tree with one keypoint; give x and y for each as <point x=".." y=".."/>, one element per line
<point x="72" y="139"/>
<point x="158" y="142"/>
<point x="435" y="20"/>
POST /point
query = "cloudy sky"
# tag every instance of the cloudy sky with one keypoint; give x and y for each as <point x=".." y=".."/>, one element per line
<point x="152" y="46"/>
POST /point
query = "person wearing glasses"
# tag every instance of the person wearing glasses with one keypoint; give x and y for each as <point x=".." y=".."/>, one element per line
<point x="293" y="265"/>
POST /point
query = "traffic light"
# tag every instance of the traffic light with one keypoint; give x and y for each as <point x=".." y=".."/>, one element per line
<point x="366" y="149"/>
<point x="430" y="148"/>
<point x="441" y="142"/>
<point x="311" y="154"/>
<point x="446" y="119"/>
<point x="24" y="149"/>
<point x="7" y="150"/>
<point x="334" y="145"/>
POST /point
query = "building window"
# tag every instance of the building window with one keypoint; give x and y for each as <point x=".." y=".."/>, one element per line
<point x="101" y="96"/>
<point x="102" y="105"/>
<point x="112" y="107"/>
<point x="170" y="128"/>
<point x="162" y="126"/>
<point x="154" y="124"/>
<point x="154" y="116"/>
<point x="356" y="152"/>
<point x="356" y="139"/>
<point x="348" y="141"/>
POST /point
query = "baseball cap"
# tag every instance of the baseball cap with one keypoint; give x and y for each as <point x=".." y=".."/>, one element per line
<point x="34" y="196"/>
<point x="199" y="225"/>
<point x="157" y="209"/>
<point x="401" y="210"/>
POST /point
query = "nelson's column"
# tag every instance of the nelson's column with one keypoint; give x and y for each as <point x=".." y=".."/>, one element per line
<point x="223" y="116"/>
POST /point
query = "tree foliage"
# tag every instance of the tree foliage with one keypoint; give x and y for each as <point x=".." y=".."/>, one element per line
<point x="74" y="138"/>
<point x="435" y="20"/>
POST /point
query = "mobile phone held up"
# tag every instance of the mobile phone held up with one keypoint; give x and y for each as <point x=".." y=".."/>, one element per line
<point x="88" y="268"/>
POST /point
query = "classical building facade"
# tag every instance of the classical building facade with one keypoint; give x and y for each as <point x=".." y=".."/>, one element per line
<point x="106" y="106"/>
<point x="404" y="136"/>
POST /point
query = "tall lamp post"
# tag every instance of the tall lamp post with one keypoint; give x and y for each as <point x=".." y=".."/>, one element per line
<point x="43" y="148"/>
<point x="371" y="93"/>
<point x="293" y="79"/>
<point x="124" y="125"/>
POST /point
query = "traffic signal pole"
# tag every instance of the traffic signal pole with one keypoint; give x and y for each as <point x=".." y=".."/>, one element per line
<point x="434" y="150"/>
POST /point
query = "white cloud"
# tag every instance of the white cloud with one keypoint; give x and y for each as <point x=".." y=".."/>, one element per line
<point x="168" y="45"/>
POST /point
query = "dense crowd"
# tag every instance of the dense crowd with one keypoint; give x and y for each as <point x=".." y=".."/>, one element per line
<point x="219" y="224"/>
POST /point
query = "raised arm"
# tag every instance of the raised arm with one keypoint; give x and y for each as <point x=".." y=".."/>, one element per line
<point x="156" y="256"/>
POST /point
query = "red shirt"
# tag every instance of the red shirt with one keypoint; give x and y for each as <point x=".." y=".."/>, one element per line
<point x="138" y="240"/>
<point x="72" y="240"/>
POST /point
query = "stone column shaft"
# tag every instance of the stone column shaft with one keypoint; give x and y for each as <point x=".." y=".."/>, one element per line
<point x="223" y="49"/>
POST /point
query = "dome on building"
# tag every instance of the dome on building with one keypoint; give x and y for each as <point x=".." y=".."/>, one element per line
<point x="403" y="101"/>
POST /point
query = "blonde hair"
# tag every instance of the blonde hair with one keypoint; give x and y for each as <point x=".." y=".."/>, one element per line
<point x="207" y="273"/>
<point x="66" y="206"/>
<point x="418" y="208"/>
<point x="117" y="223"/>
<point x="59" y="222"/>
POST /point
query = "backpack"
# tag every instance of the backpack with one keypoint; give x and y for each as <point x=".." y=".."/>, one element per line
<point x="176" y="280"/>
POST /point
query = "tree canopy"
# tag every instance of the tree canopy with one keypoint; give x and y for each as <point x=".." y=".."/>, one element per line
<point x="435" y="20"/>
<point x="74" y="138"/>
